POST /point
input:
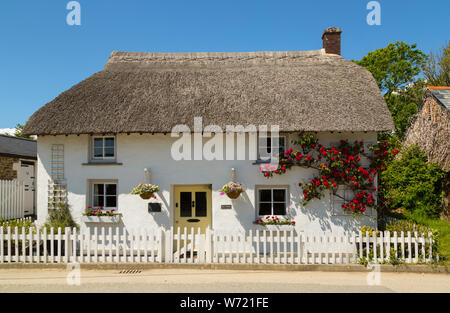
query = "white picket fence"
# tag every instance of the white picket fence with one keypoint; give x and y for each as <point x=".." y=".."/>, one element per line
<point x="11" y="199"/>
<point x="114" y="245"/>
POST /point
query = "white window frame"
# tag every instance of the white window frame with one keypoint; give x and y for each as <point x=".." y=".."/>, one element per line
<point x="268" y="136"/>
<point x="285" y="188"/>
<point x="103" y="158"/>
<point x="337" y="202"/>
<point x="92" y="184"/>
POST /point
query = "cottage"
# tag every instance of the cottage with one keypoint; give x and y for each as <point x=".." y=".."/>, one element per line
<point x="430" y="127"/>
<point x="18" y="157"/>
<point x="430" y="130"/>
<point x="102" y="137"/>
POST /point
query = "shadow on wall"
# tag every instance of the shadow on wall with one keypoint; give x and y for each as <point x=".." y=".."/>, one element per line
<point x="321" y="212"/>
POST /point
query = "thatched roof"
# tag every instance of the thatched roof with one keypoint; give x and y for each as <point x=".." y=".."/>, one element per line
<point x="152" y="92"/>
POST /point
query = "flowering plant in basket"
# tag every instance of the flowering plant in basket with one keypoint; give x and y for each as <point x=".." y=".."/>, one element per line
<point x="146" y="191"/>
<point x="274" y="220"/>
<point x="232" y="190"/>
<point x="99" y="212"/>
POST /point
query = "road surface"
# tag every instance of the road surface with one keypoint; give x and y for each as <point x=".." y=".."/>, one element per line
<point x="198" y="281"/>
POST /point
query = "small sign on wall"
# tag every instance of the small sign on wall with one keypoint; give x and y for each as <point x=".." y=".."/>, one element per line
<point x="154" y="207"/>
<point x="226" y="207"/>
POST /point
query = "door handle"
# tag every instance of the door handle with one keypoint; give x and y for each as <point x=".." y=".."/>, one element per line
<point x="193" y="204"/>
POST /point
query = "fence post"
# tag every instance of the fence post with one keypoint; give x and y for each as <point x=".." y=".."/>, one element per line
<point x="431" y="246"/>
<point x="2" y="242"/>
<point x="161" y="248"/>
<point x="208" y="245"/>
<point x="67" y="245"/>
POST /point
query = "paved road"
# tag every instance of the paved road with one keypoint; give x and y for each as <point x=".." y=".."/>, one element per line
<point x="194" y="280"/>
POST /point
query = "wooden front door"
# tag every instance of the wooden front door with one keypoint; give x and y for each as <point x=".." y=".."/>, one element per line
<point x="193" y="208"/>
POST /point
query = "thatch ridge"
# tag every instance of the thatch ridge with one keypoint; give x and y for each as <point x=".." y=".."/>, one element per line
<point x="152" y="92"/>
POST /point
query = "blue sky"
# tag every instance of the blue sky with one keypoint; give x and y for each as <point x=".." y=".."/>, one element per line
<point x="41" y="56"/>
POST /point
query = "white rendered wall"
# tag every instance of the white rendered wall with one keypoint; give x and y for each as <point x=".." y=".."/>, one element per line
<point x="138" y="152"/>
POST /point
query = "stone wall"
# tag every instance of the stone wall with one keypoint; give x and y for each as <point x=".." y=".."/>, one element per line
<point x="6" y="168"/>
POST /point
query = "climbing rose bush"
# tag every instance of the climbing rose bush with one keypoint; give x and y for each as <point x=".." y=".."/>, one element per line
<point x="338" y="165"/>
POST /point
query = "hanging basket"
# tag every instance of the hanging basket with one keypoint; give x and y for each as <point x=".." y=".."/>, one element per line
<point x="233" y="195"/>
<point x="147" y="195"/>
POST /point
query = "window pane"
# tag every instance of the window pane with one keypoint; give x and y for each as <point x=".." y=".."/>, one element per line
<point x="185" y="204"/>
<point x="265" y="208"/>
<point x="109" y="142"/>
<point x="111" y="189"/>
<point x="200" y="204"/>
<point x="99" y="189"/>
<point x="265" y="195"/>
<point x="98" y="152"/>
<point x="98" y="201"/>
<point x="279" y="209"/>
<point x="109" y="152"/>
<point x="111" y="201"/>
<point x="98" y="142"/>
<point x="279" y="195"/>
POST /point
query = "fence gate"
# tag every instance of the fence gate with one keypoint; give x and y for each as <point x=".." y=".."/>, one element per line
<point x="11" y="199"/>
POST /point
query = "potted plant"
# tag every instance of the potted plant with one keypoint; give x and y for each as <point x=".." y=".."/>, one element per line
<point x="145" y="191"/>
<point x="92" y="215"/>
<point x="274" y="222"/>
<point x="232" y="190"/>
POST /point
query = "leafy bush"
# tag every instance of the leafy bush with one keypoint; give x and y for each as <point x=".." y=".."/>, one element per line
<point x="410" y="183"/>
<point x="61" y="217"/>
<point x="19" y="223"/>
<point x="404" y="226"/>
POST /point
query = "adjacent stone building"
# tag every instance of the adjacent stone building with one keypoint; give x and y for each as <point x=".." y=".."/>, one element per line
<point x="430" y="130"/>
<point x="14" y="152"/>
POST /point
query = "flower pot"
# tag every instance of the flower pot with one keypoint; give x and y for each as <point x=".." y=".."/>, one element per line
<point x="101" y="219"/>
<point x="146" y="195"/>
<point x="233" y="195"/>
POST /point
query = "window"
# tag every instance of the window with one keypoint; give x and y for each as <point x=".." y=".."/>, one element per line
<point x="265" y="146"/>
<point x="104" y="195"/>
<point x="343" y="195"/>
<point x="272" y="201"/>
<point x="103" y="148"/>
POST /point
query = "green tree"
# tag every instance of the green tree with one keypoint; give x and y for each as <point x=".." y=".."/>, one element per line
<point x="18" y="131"/>
<point x="410" y="183"/>
<point x="403" y="105"/>
<point x="394" y="66"/>
<point x="437" y="69"/>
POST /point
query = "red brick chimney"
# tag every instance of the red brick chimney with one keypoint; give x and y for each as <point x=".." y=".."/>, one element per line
<point x="332" y="40"/>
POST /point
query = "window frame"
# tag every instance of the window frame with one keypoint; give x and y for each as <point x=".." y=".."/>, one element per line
<point x="336" y="203"/>
<point x="103" y="158"/>
<point x="272" y="188"/>
<point x="267" y="136"/>
<point x="92" y="195"/>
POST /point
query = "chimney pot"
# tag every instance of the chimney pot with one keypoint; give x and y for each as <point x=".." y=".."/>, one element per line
<point x="332" y="40"/>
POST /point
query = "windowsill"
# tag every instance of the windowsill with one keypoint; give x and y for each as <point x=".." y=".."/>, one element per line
<point x="104" y="163"/>
<point x="256" y="162"/>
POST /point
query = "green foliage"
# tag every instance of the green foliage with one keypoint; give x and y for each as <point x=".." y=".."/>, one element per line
<point x="403" y="104"/>
<point x="18" y="131"/>
<point x="437" y="69"/>
<point x="394" y="66"/>
<point x="19" y="223"/>
<point x="60" y="217"/>
<point x="410" y="183"/>
<point x="399" y="226"/>
<point x="443" y="229"/>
